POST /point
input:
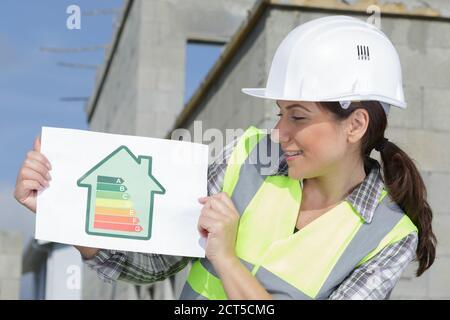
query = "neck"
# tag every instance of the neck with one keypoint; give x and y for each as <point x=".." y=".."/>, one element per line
<point x="334" y="185"/>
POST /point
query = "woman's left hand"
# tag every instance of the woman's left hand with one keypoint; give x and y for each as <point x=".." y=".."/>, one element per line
<point x="218" y="222"/>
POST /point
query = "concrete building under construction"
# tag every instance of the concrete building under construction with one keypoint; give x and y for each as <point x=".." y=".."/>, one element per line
<point x="141" y="85"/>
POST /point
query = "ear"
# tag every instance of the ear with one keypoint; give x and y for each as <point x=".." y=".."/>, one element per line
<point x="357" y="124"/>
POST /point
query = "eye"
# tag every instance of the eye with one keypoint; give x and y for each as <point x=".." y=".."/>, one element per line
<point x="292" y="117"/>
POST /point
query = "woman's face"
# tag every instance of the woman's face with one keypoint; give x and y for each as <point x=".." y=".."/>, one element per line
<point x="312" y="140"/>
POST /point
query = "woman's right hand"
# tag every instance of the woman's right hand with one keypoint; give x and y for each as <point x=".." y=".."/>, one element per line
<point x="33" y="176"/>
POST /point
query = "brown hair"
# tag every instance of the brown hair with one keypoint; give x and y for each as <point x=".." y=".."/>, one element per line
<point x="400" y="175"/>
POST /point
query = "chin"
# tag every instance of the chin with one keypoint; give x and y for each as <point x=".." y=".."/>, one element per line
<point x="300" y="174"/>
<point x="295" y="174"/>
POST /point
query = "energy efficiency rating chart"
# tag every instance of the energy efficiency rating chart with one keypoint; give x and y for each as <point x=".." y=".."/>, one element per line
<point x="113" y="208"/>
<point x="120" y="197"/>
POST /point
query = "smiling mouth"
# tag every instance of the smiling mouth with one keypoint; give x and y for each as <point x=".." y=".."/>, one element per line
<point x="291" y="154"/>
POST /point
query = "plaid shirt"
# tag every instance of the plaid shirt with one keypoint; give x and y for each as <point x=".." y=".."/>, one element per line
<point x="374" y="279"/>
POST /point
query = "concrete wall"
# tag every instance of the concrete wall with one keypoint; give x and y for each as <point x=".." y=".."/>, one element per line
<point x="116" y="109"/>
<point x="423" y="131"/>
<point x="10" y="265"/>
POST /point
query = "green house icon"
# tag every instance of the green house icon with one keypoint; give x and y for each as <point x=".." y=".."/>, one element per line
<point x="120" y="197"/>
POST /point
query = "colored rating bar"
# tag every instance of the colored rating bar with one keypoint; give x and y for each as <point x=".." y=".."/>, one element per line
<point x="112" y="195"/>
<point x="107" y="179"/>
<point x="111" y="187"/>
<point x="116" y="219"/>
<point x="99" y="202"/>
<point x="117" y="226"/>
<point x="114" y="211"/>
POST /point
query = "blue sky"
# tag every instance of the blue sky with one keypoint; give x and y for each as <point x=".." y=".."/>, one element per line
<point x="32" y="83"/>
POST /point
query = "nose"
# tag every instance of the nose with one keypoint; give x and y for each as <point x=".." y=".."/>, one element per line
<point x="279" y="134"/>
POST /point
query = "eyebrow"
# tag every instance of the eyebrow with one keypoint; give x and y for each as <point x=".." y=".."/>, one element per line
<point x="295" y="105"/>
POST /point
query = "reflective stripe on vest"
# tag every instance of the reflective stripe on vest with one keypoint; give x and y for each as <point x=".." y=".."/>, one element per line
<point x="308" y="264"/>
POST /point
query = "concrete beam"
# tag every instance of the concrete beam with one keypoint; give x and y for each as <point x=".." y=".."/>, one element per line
<point x="411" y="8"/>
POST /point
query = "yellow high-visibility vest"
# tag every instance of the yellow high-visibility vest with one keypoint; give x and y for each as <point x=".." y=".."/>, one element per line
<point x="307" y="264"/>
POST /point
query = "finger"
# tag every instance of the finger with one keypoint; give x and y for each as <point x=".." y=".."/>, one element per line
<point x="203" y="200"/>
<point x="203" y="224"/>
<point x="209" y="224"/>
<point x="32" y="185"/>
<point x="203" y="232"/>
<point x="39" y="157"/>
<point x="24" y="188"/>
<point x="219" y="205"/>
<point x="226" y="200"/>
<point x="38" y="166"/>
<point x="30" y="174"/>
<point x="37" y="143"/>
<point x="211" y="213"/>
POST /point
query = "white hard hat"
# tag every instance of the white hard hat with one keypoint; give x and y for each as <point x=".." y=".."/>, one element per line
<point x="335" y="58"/>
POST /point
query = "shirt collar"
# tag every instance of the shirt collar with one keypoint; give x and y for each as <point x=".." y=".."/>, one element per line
<point x="364" y="197"/>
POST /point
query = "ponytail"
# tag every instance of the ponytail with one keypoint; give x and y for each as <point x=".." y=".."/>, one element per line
<point x="407" y="189"/>
<point x="401" y="176"/>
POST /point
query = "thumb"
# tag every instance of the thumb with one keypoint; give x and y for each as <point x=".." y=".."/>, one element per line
<point x="37" y="143"/>
<point x="203" y="200"/>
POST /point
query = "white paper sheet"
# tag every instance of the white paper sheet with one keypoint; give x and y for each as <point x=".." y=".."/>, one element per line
<point x="122" y="192"/>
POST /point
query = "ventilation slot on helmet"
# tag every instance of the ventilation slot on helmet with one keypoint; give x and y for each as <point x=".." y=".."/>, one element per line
<point x="363" y="52"/>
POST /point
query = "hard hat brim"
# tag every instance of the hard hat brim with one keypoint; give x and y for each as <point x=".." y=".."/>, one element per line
<point x="262" y="93"/>
<point x="256" y="92"/>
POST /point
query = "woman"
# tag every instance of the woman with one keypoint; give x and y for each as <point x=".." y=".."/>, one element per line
<point x="326" y="223"/>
